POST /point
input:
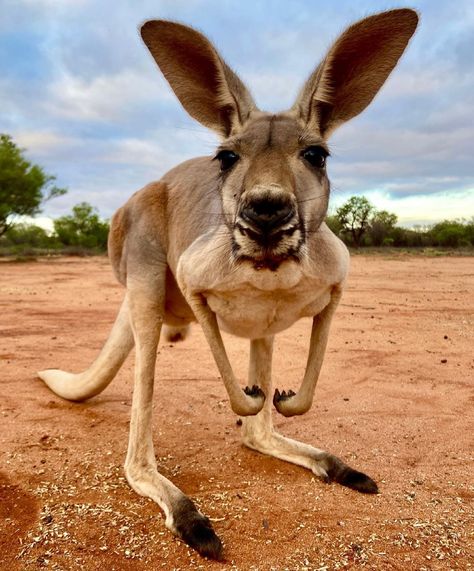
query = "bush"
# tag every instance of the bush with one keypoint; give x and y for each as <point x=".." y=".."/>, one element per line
<point x="22" y="237"/>
<point x="452" y="234"/>
<point x="83" y="228"/>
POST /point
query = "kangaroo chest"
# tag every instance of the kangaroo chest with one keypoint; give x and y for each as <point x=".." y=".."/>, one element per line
<point x="251" y="304"/>
<point x="254" y="303"/>
<point x="252" y="313"/>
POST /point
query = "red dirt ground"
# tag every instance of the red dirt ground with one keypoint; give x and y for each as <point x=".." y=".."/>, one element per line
<point x="395" y="399"/>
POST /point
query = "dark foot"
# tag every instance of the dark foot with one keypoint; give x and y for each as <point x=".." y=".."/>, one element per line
<point x="254" y="391"/>
<point x="196" y="530"/>
<point x="346" y="476"/>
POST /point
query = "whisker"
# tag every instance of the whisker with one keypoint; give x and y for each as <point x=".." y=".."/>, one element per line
<point x="311" y="198"/>
<point x="219" y="247"/>
<point x="217" y="214"/>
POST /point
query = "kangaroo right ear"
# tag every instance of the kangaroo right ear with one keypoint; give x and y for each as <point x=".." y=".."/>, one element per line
<point x="354" y="69"/>
<point x="206" y="87"/>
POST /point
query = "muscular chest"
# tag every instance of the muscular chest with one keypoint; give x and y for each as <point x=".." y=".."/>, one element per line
<point x="251" y="303"/>
<point x="249" y="312"/>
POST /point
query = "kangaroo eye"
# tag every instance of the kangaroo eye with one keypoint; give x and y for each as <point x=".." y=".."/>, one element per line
<point x="227" y="159"/>
<point x="315" y="156"/>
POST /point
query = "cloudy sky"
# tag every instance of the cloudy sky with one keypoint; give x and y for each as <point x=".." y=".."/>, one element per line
<point x="81" y="93"/>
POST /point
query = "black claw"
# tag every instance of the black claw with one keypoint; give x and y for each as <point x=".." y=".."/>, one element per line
<point x="326" y="479"/>
<point x="277" y="397"/>
<point x="196" y="530"/>
<point x="346" y="476"/>
<point x="254" y="391"/>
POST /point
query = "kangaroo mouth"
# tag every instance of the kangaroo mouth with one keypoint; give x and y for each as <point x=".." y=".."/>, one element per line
<point x="267" y="250"/>
<point x="271" y="263"/>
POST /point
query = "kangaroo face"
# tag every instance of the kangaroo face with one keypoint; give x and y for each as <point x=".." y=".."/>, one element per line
<point x="274" y="188"/>
<point x="273" y="184"/>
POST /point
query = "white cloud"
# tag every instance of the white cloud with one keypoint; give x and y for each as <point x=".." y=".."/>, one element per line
<point x="406" y="83"/>
<point x="105" y="97"/>
<point x="141" y="152"/>
<point x="42" y="221"/>
<point x="273" y="91"/>
<point x="52" y="3"/>
<point x="43" y="143"/>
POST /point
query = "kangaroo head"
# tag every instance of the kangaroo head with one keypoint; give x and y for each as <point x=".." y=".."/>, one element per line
<point x="272" y="176"/>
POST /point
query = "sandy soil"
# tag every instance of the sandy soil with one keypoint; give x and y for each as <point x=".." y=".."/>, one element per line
<point x="396" y="400"/>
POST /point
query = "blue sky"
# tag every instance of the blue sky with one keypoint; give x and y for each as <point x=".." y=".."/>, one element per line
<point x="81" y="93"/>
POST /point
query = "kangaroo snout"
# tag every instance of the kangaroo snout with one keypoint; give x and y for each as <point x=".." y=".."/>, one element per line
<point x="267" y="215"/>
<point x="267" y="228"/>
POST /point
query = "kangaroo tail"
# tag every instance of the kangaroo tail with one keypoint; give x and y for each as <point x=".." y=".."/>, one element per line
<point x="96" y="378"/>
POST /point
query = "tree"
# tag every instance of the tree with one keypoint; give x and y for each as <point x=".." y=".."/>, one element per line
<point x="354" y="217"/>
<point x="82" y="228"/>
<point x="24" y="186"/>
<point x="382" y="225"/>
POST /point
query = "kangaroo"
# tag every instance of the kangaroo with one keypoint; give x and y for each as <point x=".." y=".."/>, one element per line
<point x="237" y="242"/>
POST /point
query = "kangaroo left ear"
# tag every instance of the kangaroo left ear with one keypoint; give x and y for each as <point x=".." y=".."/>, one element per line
<point x="355" y="69"/>
<point x="206" y="86"/>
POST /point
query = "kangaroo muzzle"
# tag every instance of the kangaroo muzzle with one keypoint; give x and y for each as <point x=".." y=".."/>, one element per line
<point x="267" y="228"/>
<point x="267" y="215"/>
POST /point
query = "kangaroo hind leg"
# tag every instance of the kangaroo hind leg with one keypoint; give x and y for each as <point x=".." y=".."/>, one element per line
<point x="182" y="516"/>
<point x="258" y="432"/>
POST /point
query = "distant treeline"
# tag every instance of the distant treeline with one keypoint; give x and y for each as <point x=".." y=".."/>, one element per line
<point x="445" y="234"/>
<point x="80" y="233"/>
<point x="358" y="223"/>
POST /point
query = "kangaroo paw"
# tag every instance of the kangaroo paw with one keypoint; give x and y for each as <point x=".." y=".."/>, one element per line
<point x="254" y="391"/>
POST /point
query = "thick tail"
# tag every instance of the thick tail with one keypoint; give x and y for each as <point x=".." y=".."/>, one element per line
<point x="81" y="386"/>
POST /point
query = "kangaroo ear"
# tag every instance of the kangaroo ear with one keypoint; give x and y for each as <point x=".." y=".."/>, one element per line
<point x="206" y="87"/>
<point x="354" y="69"/>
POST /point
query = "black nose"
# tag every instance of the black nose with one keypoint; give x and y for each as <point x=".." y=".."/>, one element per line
<point x="266" y="214"/>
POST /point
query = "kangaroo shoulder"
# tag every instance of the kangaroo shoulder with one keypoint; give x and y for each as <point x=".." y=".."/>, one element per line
<point x="141" y="220"/>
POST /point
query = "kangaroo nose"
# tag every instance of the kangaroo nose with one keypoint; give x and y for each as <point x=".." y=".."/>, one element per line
<point x="265" y="215"/>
